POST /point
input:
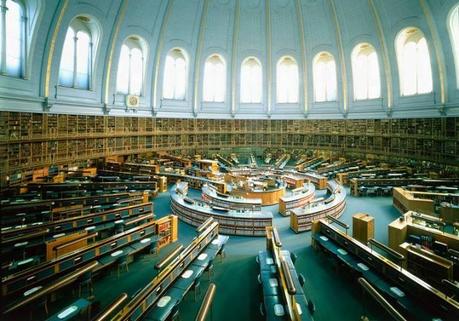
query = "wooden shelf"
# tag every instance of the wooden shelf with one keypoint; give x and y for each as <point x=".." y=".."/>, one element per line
<point x="31" y="140"/>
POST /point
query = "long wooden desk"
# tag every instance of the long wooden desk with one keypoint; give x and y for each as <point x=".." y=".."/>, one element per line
<point x="357" y="184"/>
<point x="416" y="298"/>
<point x="283" y="294"/>
<point x="167" y="289"/>
<point x="426" y="202"/>
<point x="101" y="251"/>
<point x="23" y="232"/>
<point x="195" y="182"/>
<point x="34" y="236"/>
<point x="37" y="208"/>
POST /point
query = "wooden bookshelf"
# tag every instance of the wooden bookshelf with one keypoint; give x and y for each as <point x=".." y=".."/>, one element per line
<point x="232" y="222"/>
<point x="296" y="199"/>
<point x="31" y="140"/>
<point x="301" y="218"/>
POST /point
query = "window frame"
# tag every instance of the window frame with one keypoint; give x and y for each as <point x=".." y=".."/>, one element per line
<point x="132" y="42"/>
<point x="356" y="52"/>
<point x="288" y="99"/>
<point x="315" y="61"/>
<point x="405" y="37"/>
<point x="174" y="97"/>
<point x="252" y="100"/>
<point x="78" y="25"/>
<point x="23" y="39"/>
<point x="223" y="79"/>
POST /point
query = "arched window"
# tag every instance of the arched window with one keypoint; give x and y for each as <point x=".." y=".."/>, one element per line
<point x="324" y="71"/>
<point x="251" y="81"/>
<point x="287" y="80"/>
<point x="175" y="75"/>
<point x="365" y="71"/>
<point x="453" y="25"/>
<point x="214" y="79"/>
<point x="12" y="37"/>
<point x="413" y="62"/>
<point x="77" y="55"/>
<point x="131" y="67"/>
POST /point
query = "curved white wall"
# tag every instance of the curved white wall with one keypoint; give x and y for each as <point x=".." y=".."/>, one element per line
<point x="235" y="29"/>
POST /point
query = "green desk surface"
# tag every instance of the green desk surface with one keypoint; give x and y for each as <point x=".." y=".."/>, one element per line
<point x="354" y="263"/>
<point x="185" y="283"/>
<point x="161" y="313"/>
<point x="274" y="308"/>
<point x="270" y="283"/>
<point x="219" y="241"/>
<point x="198" y="268"/>
<point x="266" y="262"/>
<point x="203" y="259"/>
<point x="71" y="311"/>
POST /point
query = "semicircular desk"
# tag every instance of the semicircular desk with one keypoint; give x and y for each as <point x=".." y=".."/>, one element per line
<point x="232" y="222"/>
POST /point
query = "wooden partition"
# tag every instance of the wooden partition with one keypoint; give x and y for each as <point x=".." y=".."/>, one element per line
<point x="269" y="197"/>
<point x="401" y="228"/>
<point x="75" y="241"/>
<point x="405" y="201"/>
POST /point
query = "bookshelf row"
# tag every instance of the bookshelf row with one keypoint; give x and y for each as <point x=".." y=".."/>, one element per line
<point x="15" y="126"/>
<point x="35" y="140"/>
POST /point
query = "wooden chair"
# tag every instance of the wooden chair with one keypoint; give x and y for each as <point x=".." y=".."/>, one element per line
<point x="122" y="263"/>
<point x="210" y="268"/>
<point x="40" y="303"/>
<point x="301" y="279"/>
<point x="175" y="313"/>
<point x="293" y="257"/>
<point x="196" y="287"/>
<point x="86" y="281"/>
<point x="222" y="253"/>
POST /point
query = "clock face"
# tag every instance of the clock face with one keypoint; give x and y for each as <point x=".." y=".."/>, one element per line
<point x="133" y="100"/>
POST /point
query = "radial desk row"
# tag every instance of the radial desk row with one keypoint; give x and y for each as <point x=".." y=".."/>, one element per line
<point x="413" y="297"/>
<point x="283" y="294"/>
<point x="24" y="287"/>
<point x="179" y="272"/>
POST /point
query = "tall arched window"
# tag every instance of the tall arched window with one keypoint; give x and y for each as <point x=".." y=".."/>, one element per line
<point x="77" y="55"/>
<point x="324" y="70"/>
<point x="413" y="62"/>
<point x="175" y="75"/>
<point x="214" y="79"/>
<point x="453" y="24"/>
<point x="12" y="37"/>
<point x="131" y="67"/>
<point x="287" y="80"/>
<point x="365" y="71"/>
<point x="251" y="81"/>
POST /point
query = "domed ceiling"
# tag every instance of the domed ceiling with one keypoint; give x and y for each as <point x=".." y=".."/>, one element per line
<point x="234" y="30"/>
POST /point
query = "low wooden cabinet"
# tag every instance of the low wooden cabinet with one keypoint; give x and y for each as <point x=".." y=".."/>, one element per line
<point x="363" y="227"/>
